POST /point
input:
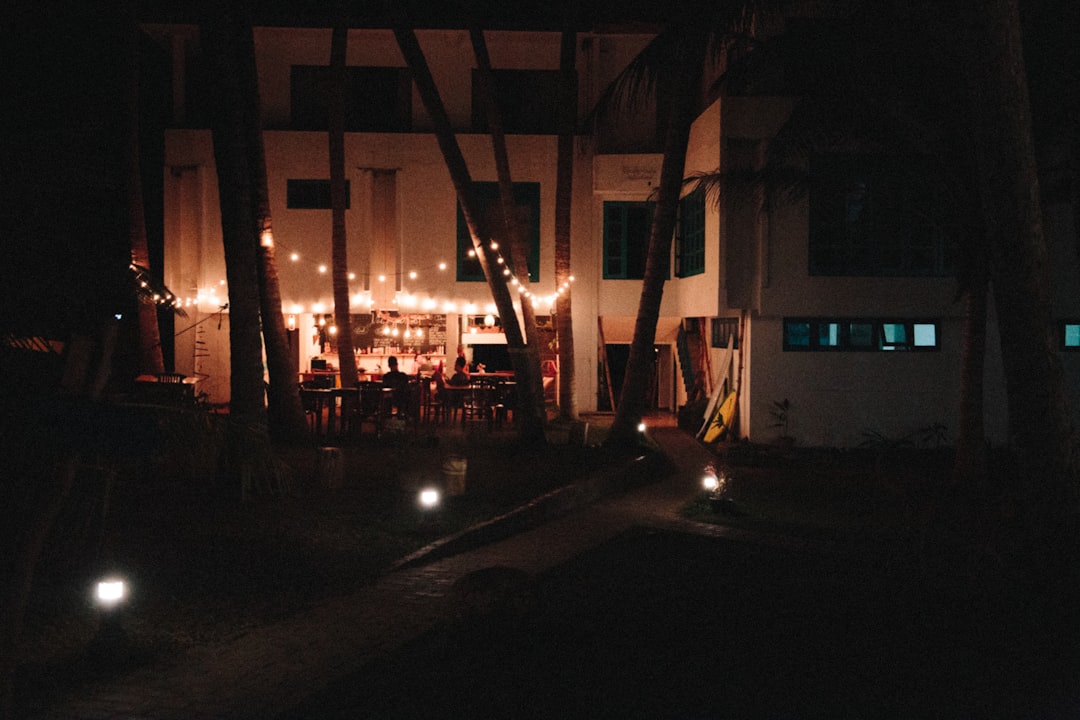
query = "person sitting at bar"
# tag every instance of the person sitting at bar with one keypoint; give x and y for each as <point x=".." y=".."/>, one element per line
<point x="461" y="372"/>
<point x="397" y="381"/>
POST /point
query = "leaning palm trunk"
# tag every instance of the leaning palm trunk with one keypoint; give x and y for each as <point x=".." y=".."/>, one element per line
<point x="1039" y="418"/>
<point x="247" y="465"/>
<point x="531" y="406"/>
<point x="512" y="220"/>
<point x="969" y="465"/>
<point x="339" y="238"/>
<point x="150" y="358"/>
<point x="285" y="414"/>
<point x="564" y="180"/>
<point x="685" y="77"/>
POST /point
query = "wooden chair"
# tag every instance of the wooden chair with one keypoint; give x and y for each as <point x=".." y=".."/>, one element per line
<point x="505" y="403"/>
<point x="478" y="402"/>
<point x="441" y="406"/>
<point x="371" y="407"/>
<point x="313" y="398"/>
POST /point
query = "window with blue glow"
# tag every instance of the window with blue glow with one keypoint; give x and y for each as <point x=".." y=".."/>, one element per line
<point x="859" y="334"/>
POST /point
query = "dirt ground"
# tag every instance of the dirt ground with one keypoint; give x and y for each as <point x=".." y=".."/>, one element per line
<point x="653" y="624"/>
<point x="204" y="569"/>
<point x="658" y="624"/>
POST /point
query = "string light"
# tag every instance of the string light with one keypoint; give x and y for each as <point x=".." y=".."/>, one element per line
<point x="406" y="299"/>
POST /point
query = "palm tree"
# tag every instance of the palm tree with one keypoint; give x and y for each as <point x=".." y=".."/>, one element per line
<point x="1039" y="417"/>
<point x="228" y="46"/>
<point x="513" y="223"/>
<point x="564" y="181"/>
<point x="532" y="407"/>
<point x="285" y="414"/>
<point x="675" y="60"/>
<point x="338" y="200"/>
<point x="149" y="352"/>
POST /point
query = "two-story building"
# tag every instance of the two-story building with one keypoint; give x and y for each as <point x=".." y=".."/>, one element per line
<point x="781" y="299"/>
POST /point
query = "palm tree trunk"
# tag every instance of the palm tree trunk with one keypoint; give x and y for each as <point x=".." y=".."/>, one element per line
<point x="685" y="79"/>
<point x="339" y="238"/>
<point x="247" y="446"/>
<point x="533" y="415"/>
<point x="285" y="414"/>
<point x="564" y="192"/>
<point x="1039" y="418"/>
<point x="969" y="465"/>
<point x="513" y="222"/>
<point x="150" y="357"/>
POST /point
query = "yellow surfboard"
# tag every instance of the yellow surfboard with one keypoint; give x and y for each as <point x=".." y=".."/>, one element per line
<point x="721" y="419"/>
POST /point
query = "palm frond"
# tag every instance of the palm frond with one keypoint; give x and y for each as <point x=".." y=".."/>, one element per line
<point x="712" y="28"/>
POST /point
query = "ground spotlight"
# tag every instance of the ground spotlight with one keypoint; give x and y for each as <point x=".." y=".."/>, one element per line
<point x="110" y="592"/>
<point x="641" y="427"/>
<point x="430" y="498"/>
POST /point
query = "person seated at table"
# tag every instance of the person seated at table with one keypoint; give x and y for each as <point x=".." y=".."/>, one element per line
<point x="397" y="381"/>
<point x="461" y="372"/>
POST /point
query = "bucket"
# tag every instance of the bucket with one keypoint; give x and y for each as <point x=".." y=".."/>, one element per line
<point x="454" y="468"/>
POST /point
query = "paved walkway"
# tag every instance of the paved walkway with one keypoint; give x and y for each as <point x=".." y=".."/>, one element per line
<point x="270" y="669"/>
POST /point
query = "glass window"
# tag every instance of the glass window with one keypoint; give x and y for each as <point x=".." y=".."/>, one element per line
<point x="690" y="237"/>
<point x="796" y="335"/>
<point x="829" y="334"/>
<point x="1071" y="336"/>
<point x="925" y="335"/>
<point x="894" y="334"/>
<point x="489" y="207"/>
<point x="876" y="216"/>
<point x="626" y="239"/>
<point x="859" y="334"/>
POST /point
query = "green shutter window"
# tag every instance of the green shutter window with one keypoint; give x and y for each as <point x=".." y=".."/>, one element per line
<point x="690" y="239"/>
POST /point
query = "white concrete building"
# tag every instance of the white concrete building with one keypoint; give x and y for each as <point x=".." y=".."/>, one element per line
<point x="854" y="344"/>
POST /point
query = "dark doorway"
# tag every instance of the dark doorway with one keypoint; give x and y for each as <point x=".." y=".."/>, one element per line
<point x="616" y="356"/>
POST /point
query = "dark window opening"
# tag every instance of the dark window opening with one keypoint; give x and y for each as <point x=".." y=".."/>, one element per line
<point x="528" y="101"/>
<point x="311" y="194"/>
<point x="377" y="99"/>
<point x="876" y="216"/>
<point x="724" y="328"/>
